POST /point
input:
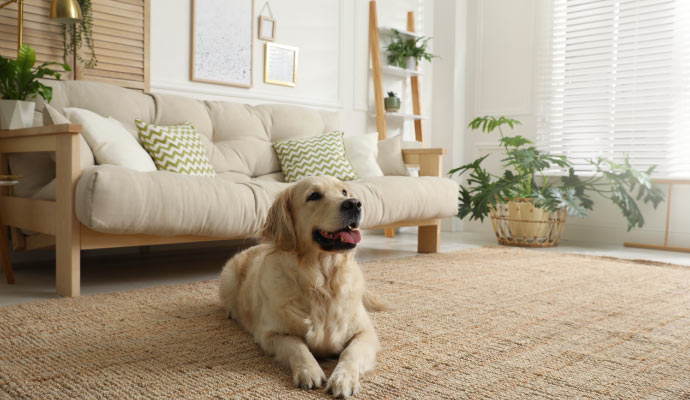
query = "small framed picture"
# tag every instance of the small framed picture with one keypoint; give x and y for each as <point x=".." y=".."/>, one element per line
<point x="280" y="64"/>
<point x="267" y="28"/>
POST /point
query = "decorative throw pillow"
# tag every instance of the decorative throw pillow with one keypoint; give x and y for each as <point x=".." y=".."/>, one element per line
<point x="361" y="151"/>
<point x="51" y="116"/>
<point x="390" y="157"/>
<point x="175" y="148"/>
<point x="110" y="142"/>
<point x="318" y="155"/>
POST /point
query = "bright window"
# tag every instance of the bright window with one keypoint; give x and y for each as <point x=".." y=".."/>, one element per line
<point x="615" y="80"/>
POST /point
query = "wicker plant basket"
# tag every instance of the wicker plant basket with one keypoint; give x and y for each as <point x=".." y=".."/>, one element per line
<point x="520" y="223"/>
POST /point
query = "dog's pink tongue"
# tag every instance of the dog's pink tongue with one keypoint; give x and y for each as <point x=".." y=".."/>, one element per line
<point x="350" y="236"/>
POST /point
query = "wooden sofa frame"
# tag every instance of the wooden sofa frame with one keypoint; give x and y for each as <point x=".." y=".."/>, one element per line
<point x="58" y="219"/>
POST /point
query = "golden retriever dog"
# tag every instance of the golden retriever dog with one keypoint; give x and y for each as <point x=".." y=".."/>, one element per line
<point x="300" y="292"/>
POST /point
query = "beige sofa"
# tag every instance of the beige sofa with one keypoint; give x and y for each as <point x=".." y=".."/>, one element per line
<point x="86" y="206"/>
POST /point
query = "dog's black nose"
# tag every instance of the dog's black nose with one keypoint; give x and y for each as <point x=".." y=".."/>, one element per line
<point x="350" y="205"/>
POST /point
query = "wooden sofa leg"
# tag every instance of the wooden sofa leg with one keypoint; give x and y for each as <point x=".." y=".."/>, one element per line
<point x="429" y="238"/>
<point x="67" y="266"/>
<point x="389" y="232"/>
<point x="5" y="250"/>
<point x="67" y="235"/>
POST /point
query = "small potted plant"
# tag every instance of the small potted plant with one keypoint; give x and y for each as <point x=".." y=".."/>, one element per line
<point x="19" y="83"/>
<point x="392" y="102"/>
<point x="408" y="53"/>
<point x="528" y="207"/>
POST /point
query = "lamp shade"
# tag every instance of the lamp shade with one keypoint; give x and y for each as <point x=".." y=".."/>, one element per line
<point x="65" y="11"/>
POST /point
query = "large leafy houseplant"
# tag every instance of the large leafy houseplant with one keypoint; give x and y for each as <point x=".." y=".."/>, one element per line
<point x="526" y="178"/>
<point x="19" y="83"/>
<point x="400" y="50"/>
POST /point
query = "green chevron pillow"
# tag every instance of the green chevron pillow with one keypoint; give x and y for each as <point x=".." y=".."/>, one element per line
<point x="176" y="148"/>
<point x="318" y="155"/>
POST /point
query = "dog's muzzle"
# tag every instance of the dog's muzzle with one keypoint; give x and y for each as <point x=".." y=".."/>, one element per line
<point x="352" y="211"/>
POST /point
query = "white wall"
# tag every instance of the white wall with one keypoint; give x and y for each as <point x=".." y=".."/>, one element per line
<point x="449" y="86"/>
<point x="333" y="70"/>
<point x="501" y="54"/>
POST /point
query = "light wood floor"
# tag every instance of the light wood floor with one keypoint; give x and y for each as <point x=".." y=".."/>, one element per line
<point x="116" y="270"/>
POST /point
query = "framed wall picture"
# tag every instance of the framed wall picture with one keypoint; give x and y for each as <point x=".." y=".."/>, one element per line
<point x="280" y="64"/>
<point x="267" y="28"/>
<point x="222" y="42"/>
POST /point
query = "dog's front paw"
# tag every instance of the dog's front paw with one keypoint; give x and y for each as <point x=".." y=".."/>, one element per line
<point x="308" y="376"/>
<point x="344" y="382"/>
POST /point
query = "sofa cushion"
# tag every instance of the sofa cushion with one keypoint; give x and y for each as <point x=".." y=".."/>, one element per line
<point x="314" y="156"/>
<point x="175" y="148"/>
<point x="110" y="141"/>
<point x="51" y="116"/>
<point x="362" y="151"/>
<point x="390" y="157"/>
<point x="113" y="199"/>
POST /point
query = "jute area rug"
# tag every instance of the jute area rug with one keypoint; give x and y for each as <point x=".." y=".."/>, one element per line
<point x="484" y="323"/>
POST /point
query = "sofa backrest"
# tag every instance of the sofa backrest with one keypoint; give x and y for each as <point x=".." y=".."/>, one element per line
<point x="125" y="105"/>
<point x="237" y="137"/>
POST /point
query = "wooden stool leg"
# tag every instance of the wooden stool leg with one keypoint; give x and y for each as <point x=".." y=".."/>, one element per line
<point x="5" y="250"/>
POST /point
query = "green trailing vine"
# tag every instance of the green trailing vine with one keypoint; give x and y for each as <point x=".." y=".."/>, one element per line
<point x="78" y="34"/>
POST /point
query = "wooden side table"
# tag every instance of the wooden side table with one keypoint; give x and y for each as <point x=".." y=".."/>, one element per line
<point x="6" y="180"/>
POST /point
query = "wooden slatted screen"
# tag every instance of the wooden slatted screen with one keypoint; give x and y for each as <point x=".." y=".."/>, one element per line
<point x="121" y="40"/>
<point x="120" y="32"/>
<point x="39" y="32"/>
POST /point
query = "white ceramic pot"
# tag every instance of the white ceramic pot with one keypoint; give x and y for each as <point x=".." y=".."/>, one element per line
<point x="16" y="114"/>
<point x="411" y="63"/>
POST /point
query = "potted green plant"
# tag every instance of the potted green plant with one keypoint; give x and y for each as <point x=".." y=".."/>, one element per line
<point x="528" y="207"/>
<point x="19" y="83"/>
<point x="407" y="53"/>
<point x="392" y="102"/>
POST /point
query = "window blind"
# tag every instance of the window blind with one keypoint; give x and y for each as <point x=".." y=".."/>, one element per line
<point x="615" y="80"/>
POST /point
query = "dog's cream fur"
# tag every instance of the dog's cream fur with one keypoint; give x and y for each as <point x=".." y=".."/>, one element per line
<point x="299" y="301"/>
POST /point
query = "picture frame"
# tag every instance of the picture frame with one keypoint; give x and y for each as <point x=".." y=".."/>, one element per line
<point x="280" y="64"/>
<point x="267" y="28"/>
<point x="222" y="42"/>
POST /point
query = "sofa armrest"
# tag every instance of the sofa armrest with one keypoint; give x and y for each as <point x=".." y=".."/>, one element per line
<point x="430" y="161"/>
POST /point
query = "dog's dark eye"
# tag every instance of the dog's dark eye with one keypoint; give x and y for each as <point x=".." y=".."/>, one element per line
<point x="344" y="192"/>
<point x="314" y="196"/>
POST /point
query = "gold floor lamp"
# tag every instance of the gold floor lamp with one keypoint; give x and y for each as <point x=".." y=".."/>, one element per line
<point x="62" y="11"/>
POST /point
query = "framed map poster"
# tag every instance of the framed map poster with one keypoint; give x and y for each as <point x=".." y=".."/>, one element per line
<point x="222" y="42"/>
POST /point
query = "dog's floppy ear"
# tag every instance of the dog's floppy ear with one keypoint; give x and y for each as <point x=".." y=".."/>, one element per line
<point x="278" y="227"/>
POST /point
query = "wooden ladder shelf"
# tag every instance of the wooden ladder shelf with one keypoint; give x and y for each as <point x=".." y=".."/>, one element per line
<point x="377" y="71"/>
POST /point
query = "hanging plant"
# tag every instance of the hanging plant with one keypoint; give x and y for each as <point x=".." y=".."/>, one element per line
<point x="75" y="35"/>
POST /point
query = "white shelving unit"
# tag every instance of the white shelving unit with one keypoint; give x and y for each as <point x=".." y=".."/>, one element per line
<point x="398" y="72"/>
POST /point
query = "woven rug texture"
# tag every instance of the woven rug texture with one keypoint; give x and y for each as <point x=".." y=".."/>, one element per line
<point x="492" y="323"/>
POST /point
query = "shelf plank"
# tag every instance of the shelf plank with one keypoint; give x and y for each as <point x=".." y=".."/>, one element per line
<point x="402" y="116"/>
<point x="400" y="72"/>
<point x="387" y="30"/>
